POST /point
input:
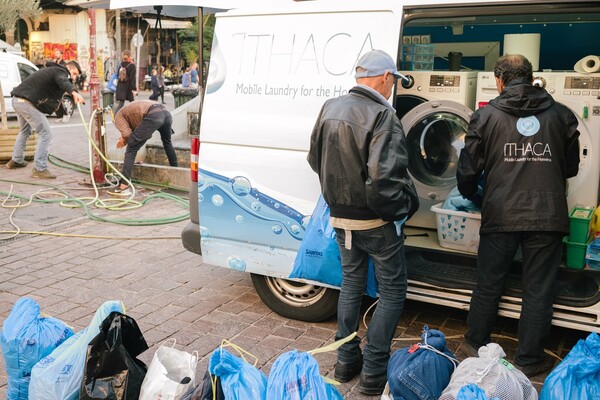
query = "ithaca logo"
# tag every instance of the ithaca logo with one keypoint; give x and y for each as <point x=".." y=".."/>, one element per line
<point x="528" y="126"/>
<point x="527" y="150"/>
<point x="313" y="253"/>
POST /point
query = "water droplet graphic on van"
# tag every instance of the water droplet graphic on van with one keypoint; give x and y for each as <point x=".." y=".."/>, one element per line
<point x="204" y="232"/>
<point x="256" y="206"/>
<point x="241" y="186"/>
<point x="277" y="229"/>
<point x="295" y="229"/>
<point x="239" y="219"/>
<point x="237" y="263"/>
<point x="217" y="200"/>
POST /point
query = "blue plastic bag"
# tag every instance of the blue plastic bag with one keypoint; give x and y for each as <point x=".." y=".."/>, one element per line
<point x="239" y="379"/>
<point x="318" y="257"/>
<point x="472" y="392"/>
<point x="577" y="377"/>
<point x="59" y="375"/>
<point x="112" y="82"/>
<point x="295" y="376"/>
<point x="26" y="338"/>
<point x="423" y="370"/>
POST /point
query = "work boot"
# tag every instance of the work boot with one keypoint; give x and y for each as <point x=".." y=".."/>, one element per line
<point x="44" y="174"/>
<point x="471" y="350"/>
<point x="12" y="164"/>
<point x="372" y="384"/>
<point x="532" y="370"/>
<point x="344" y="372"/>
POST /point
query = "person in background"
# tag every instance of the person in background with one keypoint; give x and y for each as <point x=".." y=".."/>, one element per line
<point x="137" y="121"/>
<point x="58" y="58"/>
<point x="38" y="94"/>
<point x="358" y="149"/>
<point x="528" y="146"/>
<point x="194" y="75"/>
<point x="185" y="78"/>
<point x="126" y="82"/>
<point x="161" y="84"/>
<point x="168" y="72"/>
<point x="154" y="85"/>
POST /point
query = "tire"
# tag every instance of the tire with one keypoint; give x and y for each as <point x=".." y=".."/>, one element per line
<point x="300" y="301"/>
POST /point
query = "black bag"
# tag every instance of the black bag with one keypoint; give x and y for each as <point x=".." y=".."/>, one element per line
<point x="112" y="370"/>
<point x="204" y="390"/>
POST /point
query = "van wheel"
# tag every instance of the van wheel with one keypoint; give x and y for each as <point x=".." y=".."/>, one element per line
<point x="296" y="300"/>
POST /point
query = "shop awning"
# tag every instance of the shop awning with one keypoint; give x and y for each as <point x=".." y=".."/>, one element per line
<point x="169" y="23"/>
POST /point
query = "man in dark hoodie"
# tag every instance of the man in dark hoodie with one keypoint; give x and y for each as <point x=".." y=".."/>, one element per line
<point x="39" y="94"/>
<point x="528" y="146"/>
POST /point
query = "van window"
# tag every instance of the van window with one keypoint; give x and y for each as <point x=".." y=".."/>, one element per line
<point x="25" y="70"/>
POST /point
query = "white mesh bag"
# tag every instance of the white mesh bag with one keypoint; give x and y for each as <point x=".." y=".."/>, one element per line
<point x="491" y="372"/>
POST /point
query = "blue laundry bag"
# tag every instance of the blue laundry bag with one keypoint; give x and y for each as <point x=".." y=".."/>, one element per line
<point x="421" y="371"/>
<point x="239" y="379"/>
<point x="295" y="376"/>
<point x="577" y="377"/>
<point x="318" y="257"/>
<point x="59" y="375"/>
<point x="472" y="392"/>
<point x="26" y="338"/>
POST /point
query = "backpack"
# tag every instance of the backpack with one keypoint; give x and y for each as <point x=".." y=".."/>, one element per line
<point x="123" y="74"/>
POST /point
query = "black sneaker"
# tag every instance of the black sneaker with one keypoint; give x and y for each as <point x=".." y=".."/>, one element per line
<point x="344" y="372"/>
<point x="532" y="370"/>
<point x="470" y="350"/>
<point x="372" y="385"/>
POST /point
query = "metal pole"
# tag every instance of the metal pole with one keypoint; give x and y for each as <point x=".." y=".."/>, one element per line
<point x="98" y="167"/>
<point x="117" y="36"/>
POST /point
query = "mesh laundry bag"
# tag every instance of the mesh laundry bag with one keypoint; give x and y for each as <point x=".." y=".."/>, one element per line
<point x="491" y="372"/>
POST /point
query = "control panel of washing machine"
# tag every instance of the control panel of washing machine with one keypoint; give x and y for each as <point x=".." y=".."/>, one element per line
<point x="444" y="80"/>
<point x="582" y="82"/>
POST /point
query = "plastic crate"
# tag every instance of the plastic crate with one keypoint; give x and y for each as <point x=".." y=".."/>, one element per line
<point x="575" y="254"/>
<point x="417" y="57"/>
<point x="579" y="224"/>
<point x="457" y="230"/>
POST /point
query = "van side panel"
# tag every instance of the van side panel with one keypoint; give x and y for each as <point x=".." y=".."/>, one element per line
<point x="269" y="75"/>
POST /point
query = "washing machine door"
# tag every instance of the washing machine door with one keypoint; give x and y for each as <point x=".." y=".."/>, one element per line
<point x="435" y="134"/>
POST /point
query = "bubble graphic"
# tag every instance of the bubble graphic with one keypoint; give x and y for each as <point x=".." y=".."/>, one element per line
<point x="201" y="181"/>
<point x="239" y="219"/>
<point x="295" y="229"/>
<point x="237" y="263"/>
<point x="241" y="186"/>
<point x="277" y="229"/>
<point x="200" y="197"/>
<point x="276" y="205"/>
<point x="305" y="222"/>
<point x="204" y="232"/>
<point x="256" y="206"/>
<point x="217" y="200"/>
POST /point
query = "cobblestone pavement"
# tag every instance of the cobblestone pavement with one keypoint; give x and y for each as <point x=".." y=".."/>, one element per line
<point x="170" y="292"/>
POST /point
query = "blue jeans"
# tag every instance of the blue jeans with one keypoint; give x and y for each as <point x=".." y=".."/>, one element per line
<point x="30" y="118"/>
<point x="542" y="253"/>
<point x="386" y="249"/>
<point x="158" y="118"/>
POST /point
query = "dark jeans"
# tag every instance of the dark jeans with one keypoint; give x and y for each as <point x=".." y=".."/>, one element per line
<point x="158" y="118"/>
<point x="542" y="253"/>
<point x="386" y="249"/>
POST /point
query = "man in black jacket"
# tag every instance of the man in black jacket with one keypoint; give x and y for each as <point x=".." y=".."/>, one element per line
<point x="358" y="149"/>
<point x="526" y="145"/>
<point x="38" y="94"/>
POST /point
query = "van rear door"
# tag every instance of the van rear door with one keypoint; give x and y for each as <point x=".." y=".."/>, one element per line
<point x="270" y="72"/>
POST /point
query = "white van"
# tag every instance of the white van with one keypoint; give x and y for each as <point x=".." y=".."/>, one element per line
<point x="13" y="70"/>
<point x="272" y="68"/>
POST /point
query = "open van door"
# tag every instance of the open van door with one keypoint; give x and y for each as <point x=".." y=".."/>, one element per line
<point x="270" y="72"/>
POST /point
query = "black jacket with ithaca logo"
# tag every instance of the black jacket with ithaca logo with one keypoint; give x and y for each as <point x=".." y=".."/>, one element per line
<point x="528" y="146"/>
<point x="358" y="149"/>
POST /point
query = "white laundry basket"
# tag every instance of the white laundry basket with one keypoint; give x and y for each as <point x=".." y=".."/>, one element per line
<point x="457" y="230"/>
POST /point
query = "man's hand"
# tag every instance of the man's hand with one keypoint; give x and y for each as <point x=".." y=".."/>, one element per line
<point x="135" y="93"/>
<point x="77" y="97"/>
<point x="121" y="143"/>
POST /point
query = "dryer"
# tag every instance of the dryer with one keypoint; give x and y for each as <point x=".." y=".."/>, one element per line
<point x="435" y="108"/>
<point x="580" y="93"/>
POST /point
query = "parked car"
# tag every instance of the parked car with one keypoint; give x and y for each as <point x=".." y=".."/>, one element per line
<point x="13" y="70"/>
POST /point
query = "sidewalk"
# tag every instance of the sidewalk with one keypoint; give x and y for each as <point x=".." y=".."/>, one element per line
<point x="169" y="291"/>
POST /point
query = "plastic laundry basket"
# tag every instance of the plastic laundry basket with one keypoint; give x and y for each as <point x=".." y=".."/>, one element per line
<point x="457" y="230"/>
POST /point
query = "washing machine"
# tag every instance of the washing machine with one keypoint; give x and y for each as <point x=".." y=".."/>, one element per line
<point x="435" y="108"/>
<point x="580" y="93"/>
